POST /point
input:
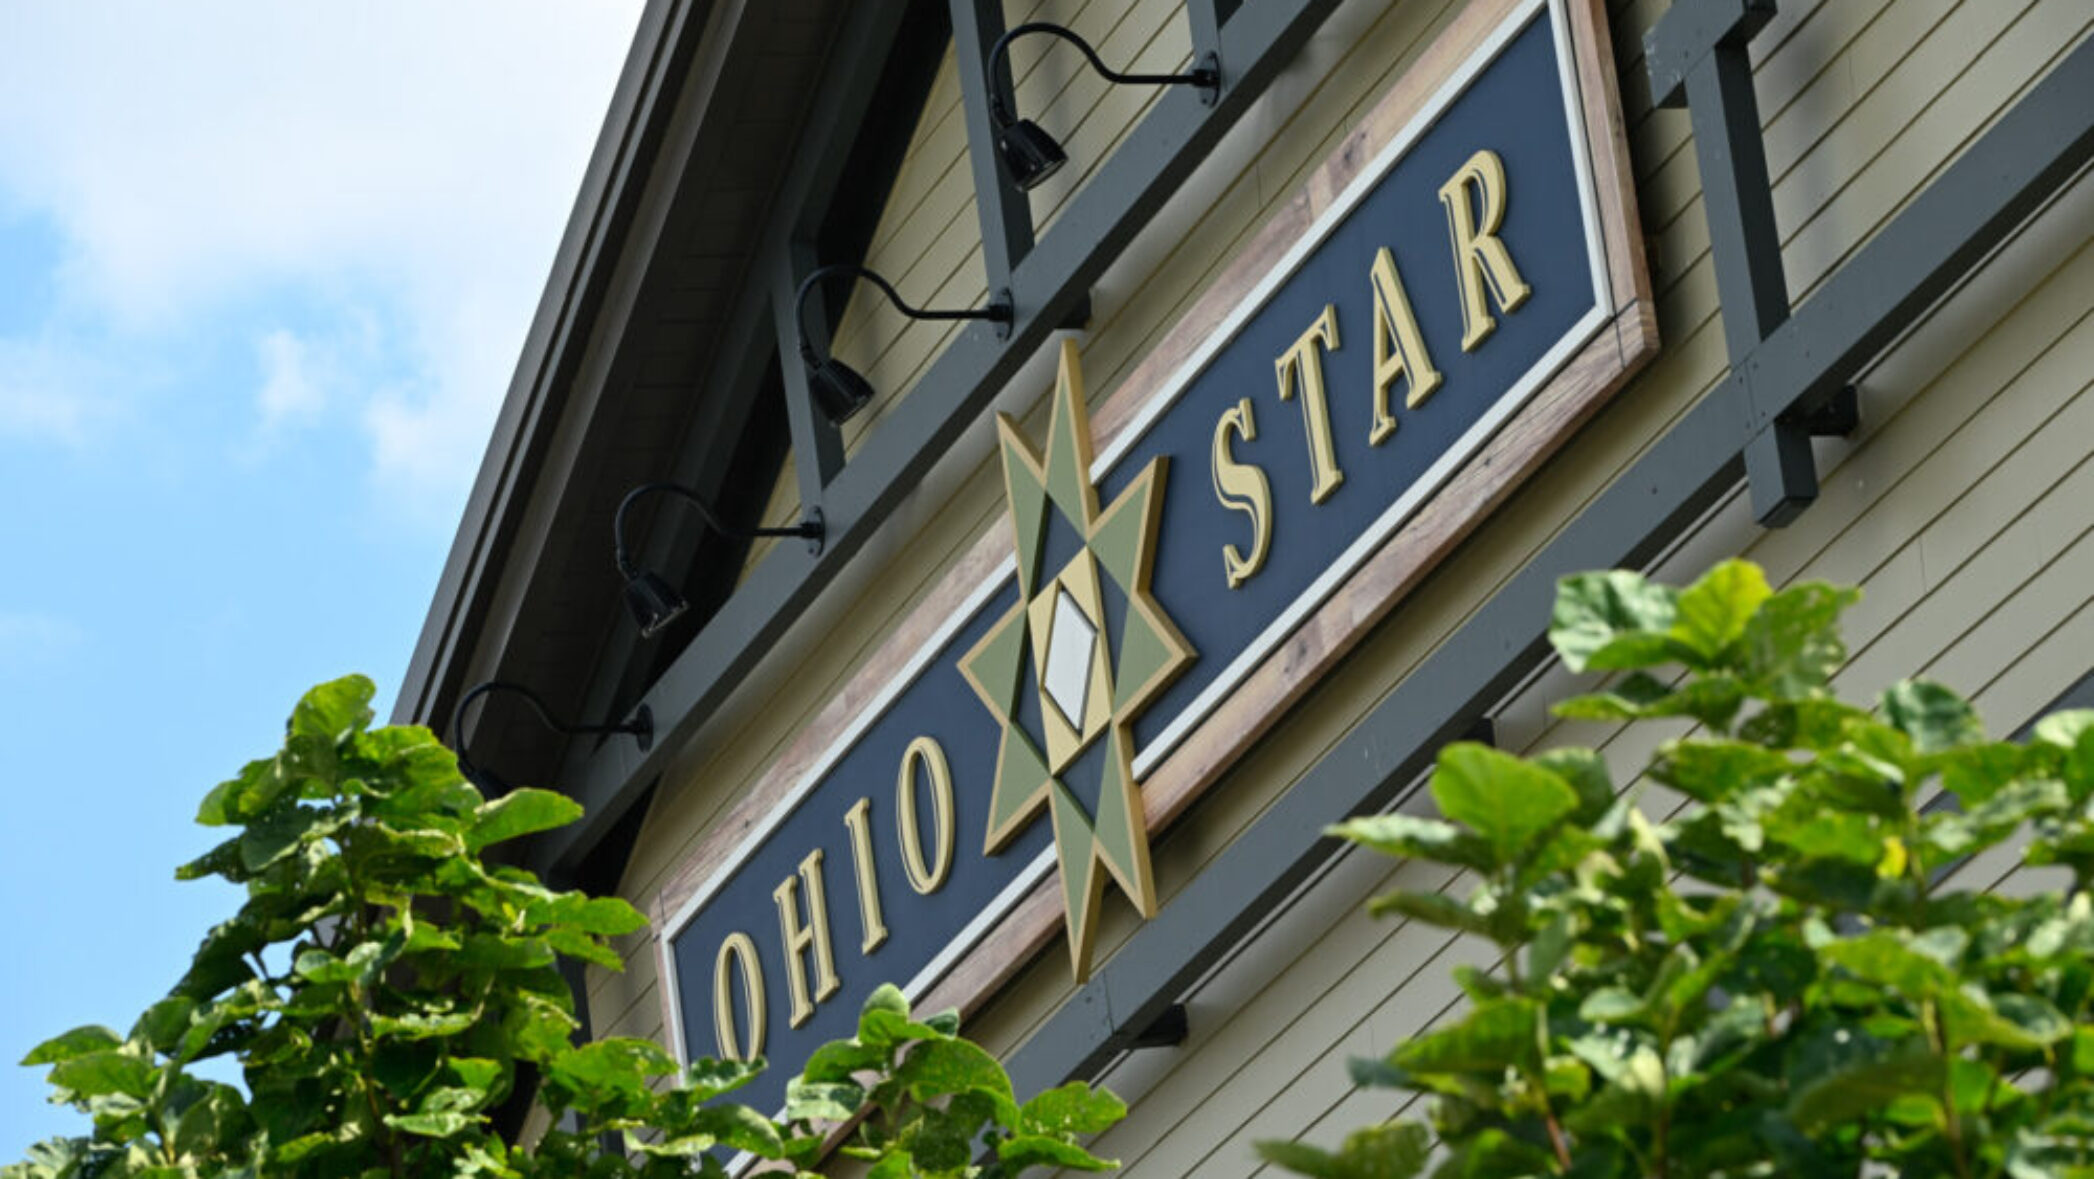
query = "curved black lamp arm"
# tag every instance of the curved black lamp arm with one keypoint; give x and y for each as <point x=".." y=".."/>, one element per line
<point x="641" y="726"/>
<point x="1205" y="75"/>
<point x="810" y="529"/>
<point x="998" y="311"/>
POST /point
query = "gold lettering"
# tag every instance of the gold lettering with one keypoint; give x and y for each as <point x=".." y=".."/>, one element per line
<point x="1241" y="487"/>
<point x="1479" y="257"/>
<point x="868" y="885"/>
<point x="1399" y="347"/>
<point x="924" y="877"/>
<point x="1302" y="364"/>
<point x="739" y="948"/>
<point x="798" y="937"/>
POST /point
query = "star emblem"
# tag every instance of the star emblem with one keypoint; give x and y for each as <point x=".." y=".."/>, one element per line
<point x="1084" y="650"/>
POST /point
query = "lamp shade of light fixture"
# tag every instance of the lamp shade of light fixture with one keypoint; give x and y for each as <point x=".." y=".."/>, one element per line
<point x="839" y="390"/>
<point x="655" y="603"/>
<point x="1031" y="155"/>
<point x="640" y="727"/>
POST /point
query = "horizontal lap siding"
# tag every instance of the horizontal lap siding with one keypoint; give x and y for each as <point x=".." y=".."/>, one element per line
<point x="1957" y="507"/>
<point x="1992" y="454"/>
<point x="1961" y="509"/>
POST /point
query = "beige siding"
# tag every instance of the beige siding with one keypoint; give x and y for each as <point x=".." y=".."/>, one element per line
<point x="1960" y="507"/>
<point x="928" y="242"/>
<point x="1987" y="450"/>
<point x="1962" y="511"/>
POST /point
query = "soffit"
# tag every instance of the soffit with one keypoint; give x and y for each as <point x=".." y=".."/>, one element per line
<point x="610" y="390"/>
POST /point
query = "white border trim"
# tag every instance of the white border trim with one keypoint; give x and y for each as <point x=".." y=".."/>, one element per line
<point x="1138" y="426"/>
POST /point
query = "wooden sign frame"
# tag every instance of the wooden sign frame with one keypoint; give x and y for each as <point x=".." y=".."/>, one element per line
<point x="983" y="959"/>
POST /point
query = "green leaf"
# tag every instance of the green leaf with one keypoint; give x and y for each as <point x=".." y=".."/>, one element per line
<point x="279" y="832"/>
<point x="1612" y="620"/>
<point x="260" y="783"/>
<point x="525" y="811"/>
<point x="1587" y="775"/>
<point x="584" y="948"/>
<point x="421" y="1026"/>
<point x="1073" y="1108"/>
<point x="615" y="1067"/>
<point x="1409" y="836"/>
<point x="164" y="1022"/>
<point x="1792" y="645"/>
<point x="1935" y="717"/>
<point x="95" y="1074"/>
<point x="2039" y="1021"/>
<point x="1918" y="966"/>
<point x="943" y="1139"/>
<point x="934" y="1068"/>
<point x="1969" y="1016"/>
<point x="880" y="1027"/>
<point x="1864" y="1086"/>
<point x="2065" y="728"/>
<point x="1509" y="802"/>
<point x="476" y="1072"/>
<point x="1716" y="771"/>
<point x="1611" y="1005"/>
<point x="1039" y="1150"/>
<point x="208" y="1124"/>
<point x="710" y="1078"/>
<point x="738" y="1127"/>
<point x="1626" y="1061"/>
<point x="1432" y="908"/>
<point x="1974" y="773"/>
<point x="1638" y="694"/>
<point x="1714" y="611"/>
<point x="78" y="1042"/>
<point x="1807" y="828"/>
<point x="223" y="860"/>
<point x="602" y="916"/>
<point x="443" y="1124"/>
<point x="822" y="1101"/>
<point x="335" y="710"/>
<point x="1494" y="1153"/>
<point x="841" y="1060"/>
<point x="1490" y="1038"/>
<point x="1952" y="834"/>
<point x="886" y="997"/>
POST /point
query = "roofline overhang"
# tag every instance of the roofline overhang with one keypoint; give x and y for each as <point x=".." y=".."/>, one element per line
<point x="600" y="257"/>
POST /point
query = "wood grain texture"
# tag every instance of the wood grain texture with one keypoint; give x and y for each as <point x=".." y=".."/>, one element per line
<point x="1620" y="347"/>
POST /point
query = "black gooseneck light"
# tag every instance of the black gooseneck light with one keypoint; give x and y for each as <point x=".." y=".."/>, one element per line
<point x="653" y="601"/>
<point x="839" y="391"/>
<point x="1029" y="153"/>
<point x="641" y="727"/>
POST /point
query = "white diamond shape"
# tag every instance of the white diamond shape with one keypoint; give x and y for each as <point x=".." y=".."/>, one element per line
<point x="1068" y="675"/>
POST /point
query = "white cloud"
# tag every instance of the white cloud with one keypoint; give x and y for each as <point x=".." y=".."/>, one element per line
<point x="291" y="391"/>
<point x="214" y="153"/>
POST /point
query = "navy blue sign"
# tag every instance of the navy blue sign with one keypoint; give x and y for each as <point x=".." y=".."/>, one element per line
<point x="1448" y="286"/>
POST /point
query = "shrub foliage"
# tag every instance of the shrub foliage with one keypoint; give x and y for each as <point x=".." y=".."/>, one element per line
<point x="1784" y="976"/>
<point x="385" y="987"/>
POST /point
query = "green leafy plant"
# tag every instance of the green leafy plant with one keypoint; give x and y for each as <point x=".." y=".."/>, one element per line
<point x="1783" y="977"/>
<point x="385" y="988"/>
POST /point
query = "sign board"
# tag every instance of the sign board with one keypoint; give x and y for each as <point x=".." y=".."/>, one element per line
<point x="1452" y="292"/>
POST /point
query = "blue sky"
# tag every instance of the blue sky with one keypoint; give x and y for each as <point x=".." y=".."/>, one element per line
<point x="264" y="273"/>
